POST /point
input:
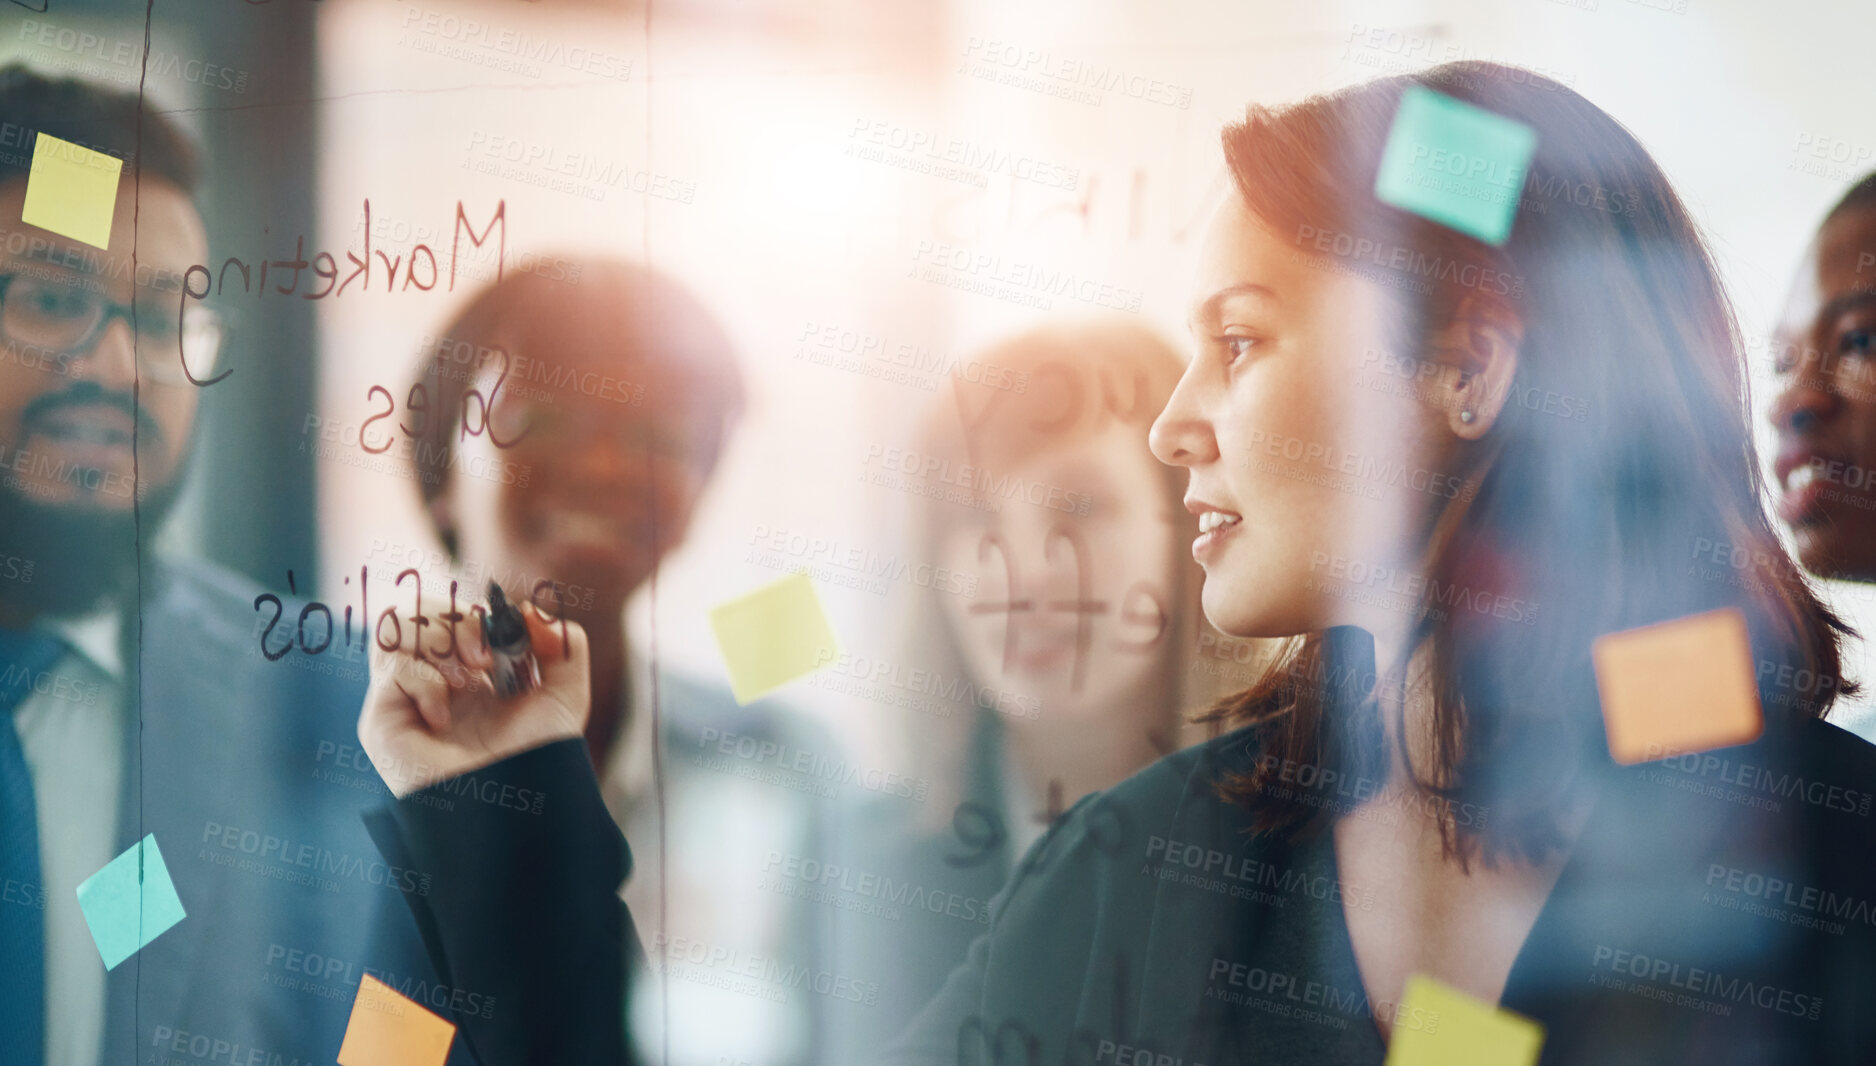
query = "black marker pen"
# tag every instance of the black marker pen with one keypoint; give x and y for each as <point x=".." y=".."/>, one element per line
<point x="515" y="669"/>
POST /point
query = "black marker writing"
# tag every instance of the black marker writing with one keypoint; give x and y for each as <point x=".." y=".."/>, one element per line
<point x="473" y="423"/>
<point x="325" y="267"/>
<point x="316" y="638"/>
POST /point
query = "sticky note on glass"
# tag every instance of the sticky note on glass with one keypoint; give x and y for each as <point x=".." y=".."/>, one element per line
<point x="1679" y="686"/>
<point x="72" y="190"/>
<point x="387" y="1029"/>
<point x="130" y="902"/>
<point x="1459" y="165"/>
<point x="1438" y="1025"/>
<point x="773" y="636"/>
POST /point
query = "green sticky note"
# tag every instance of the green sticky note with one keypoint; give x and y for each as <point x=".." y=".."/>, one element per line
<point x="130" y="902"/>
<point x="773" y="636"/>
<point x="1438" y="1025"/>
<point x="1459" y="165"/>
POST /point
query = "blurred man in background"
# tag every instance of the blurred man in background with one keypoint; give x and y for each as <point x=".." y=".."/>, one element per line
<point x="125" y="675"/>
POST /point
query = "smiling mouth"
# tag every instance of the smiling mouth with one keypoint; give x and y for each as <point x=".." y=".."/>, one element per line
<point x="1801" y="502"/>
<point x="1214" y="527"/>
<point x="1211" y="520"/>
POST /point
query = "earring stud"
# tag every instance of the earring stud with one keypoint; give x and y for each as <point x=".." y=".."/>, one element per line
<point x="1466" y="416"/>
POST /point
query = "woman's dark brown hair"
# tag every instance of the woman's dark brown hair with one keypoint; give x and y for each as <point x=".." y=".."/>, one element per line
<point x="1619" y="486"/>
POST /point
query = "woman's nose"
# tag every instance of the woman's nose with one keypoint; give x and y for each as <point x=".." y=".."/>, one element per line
<point x="1180" y="435"/>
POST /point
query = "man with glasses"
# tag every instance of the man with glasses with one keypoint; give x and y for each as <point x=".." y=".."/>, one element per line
<point x="89" y="407"/>
<point x="134" y="705"/>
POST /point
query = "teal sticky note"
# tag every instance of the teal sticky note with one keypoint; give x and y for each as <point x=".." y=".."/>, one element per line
<point x="1459" y="165"/>
<point x="130" y="902"/>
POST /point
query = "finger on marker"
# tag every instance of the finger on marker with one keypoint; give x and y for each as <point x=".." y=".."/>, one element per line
<point x="554" y="640"/>
<point x="474" y="653"/>
<point x="477" y="679"/>
<point x="459" y="676"/>
<point x="472" y="649"/>
<point x="553" y="596"/>
<point x="429" y="690"/>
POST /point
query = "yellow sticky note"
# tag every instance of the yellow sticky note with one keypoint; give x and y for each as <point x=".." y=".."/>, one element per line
<point x="1438" y="1025"/>
<point x="388" y="1030"/>
<point x="773" y="636"/>
<point x="72" y="190"/>
<point x="1679" y="686"/>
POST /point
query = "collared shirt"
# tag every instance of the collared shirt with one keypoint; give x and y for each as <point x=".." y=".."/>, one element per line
<point x="72" y="730"/>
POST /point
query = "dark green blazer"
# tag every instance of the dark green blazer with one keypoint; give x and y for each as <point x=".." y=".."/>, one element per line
<point x="1718" y="908"/>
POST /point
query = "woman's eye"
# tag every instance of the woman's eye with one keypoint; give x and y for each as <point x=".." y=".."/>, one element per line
<point x="1238" y="347"/>
<point x="1856" y="341"/>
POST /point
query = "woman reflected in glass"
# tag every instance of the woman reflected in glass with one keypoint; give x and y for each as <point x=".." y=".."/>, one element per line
<point x="1075" y="646"/>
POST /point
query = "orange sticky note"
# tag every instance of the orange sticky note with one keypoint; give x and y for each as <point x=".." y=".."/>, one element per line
<point x="388" y="1030"/>
<point x="1678" y="686"/>
<point x="773" y="636"/>
<point x="1438" y="1025"/>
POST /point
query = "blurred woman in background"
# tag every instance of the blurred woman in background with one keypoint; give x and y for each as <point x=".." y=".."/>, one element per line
<point x="1077" y="641"/>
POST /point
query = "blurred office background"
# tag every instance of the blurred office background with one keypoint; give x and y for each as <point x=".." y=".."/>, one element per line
<point x="764" y="154"/>
<point x="831" y="177"/>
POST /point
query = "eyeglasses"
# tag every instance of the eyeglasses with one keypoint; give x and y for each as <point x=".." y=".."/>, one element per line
<point x="67" y="317"/>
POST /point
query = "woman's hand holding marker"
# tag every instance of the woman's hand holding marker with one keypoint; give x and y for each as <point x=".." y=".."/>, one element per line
<point x="427" y="719"/>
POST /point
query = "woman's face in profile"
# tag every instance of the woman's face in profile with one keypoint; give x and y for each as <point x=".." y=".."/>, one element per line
<point x="1304" y="452"/>
<point x="1075" y="594"/>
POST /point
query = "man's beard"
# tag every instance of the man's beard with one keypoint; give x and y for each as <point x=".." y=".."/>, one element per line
<point x="81" y="558"/>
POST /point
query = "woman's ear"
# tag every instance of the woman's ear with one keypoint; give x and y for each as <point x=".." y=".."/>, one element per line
<point x="1482" y="343"/>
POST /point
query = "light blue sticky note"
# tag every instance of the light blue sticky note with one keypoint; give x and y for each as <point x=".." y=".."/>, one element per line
<point x="1459" y="165"/>
<point x="130" y="902"/>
